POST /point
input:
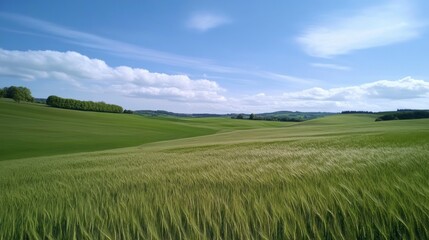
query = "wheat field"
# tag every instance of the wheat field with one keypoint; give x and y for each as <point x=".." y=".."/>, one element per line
<point x="341" y="177"/>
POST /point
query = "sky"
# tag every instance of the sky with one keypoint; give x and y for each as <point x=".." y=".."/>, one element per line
<point x="197" y="56"/>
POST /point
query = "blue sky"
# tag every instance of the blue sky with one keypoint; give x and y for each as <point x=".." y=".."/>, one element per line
<point x="221" y="56"/>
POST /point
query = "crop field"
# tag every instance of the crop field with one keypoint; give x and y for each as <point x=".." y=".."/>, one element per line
<point x="337" y="177"/>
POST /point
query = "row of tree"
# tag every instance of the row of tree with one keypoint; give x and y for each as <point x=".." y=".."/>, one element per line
<point x="268" y="118"/>
<point x="402" y="115"/>
<point x="19" y="94"/>
<point x="355" y="112"/>
<point x="74" y="104"/>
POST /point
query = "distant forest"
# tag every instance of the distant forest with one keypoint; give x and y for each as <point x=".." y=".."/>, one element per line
<point x="162" y="113"/>
<point x="356" y="112"/>
<point x="283" y="116"/>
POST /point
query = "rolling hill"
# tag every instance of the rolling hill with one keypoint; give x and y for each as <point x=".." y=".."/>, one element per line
<point x="30" y="130"/>
<point x="337" y="177"/>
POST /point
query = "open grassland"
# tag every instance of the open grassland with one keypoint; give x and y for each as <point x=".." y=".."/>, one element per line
<point x="29" y="130"/>
<point x="340" y="177"/>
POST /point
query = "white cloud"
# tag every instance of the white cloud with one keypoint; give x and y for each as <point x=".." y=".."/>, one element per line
<point x="375" y="96"/>
<point x="330" y="66"/>
<point x="206" y="21"/>
<point x="406" y="88"/>
<point x="391" y="23"/>
<point x="201" y="94"/>
<point x="81" y="70"/>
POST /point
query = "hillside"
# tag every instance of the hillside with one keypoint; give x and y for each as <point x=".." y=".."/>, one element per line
<point x="30" y="130"/>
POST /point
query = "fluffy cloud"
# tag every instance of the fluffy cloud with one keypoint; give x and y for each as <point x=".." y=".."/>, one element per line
<point x="406" y="88"/>
<point x="80" y="70"/>
<point x="373" y="27"/>
<point x="205" y="21"/>
<point x="172" y="92"/>
<point x="375" y="96"/>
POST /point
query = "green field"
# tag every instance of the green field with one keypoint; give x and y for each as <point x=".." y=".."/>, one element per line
<point x="29" y="130"/>
<point x="337" y="177"/>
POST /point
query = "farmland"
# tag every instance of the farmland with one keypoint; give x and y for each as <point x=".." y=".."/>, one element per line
<point x="79" y="175"/>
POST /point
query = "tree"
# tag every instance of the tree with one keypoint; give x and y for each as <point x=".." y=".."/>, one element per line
<point x="10" y="91"/>
<point x="252" y="116"/>
<point x="26" y="94"/>
<point x="2" y="92"/>
<point x="240" y="116"/>
<point x="18" y="94"/>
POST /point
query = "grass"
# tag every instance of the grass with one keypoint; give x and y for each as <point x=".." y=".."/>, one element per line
<point x="29" y="130"/>
<point x="340" y="177"/>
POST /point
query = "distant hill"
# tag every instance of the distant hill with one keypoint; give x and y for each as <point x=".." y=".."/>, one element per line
<point x="162" y="113"/>
<point x="294" y="115"/>
<point x="262" y="116"/>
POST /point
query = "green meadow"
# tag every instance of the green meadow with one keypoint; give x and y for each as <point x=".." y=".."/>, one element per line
<point x="81" y="175"/>
<point x="29" y="130"/>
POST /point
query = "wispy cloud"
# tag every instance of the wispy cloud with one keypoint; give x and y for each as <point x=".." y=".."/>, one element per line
<point x="80" y="71"/>
<point x="206" y="21"/>
<point x="286" y="78"/>
<point x="112" y="46"/>
<point x="377" y="26"/>
<point x="331" y="66"/>
<point x="127" y="50"/>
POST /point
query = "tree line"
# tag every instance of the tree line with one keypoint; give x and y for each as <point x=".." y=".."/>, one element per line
<point x="19" y="94"/>
<point x="68" y="103"/>
<point x="402" y="115"/>
<point x="355" y="112"/>
<point x="268" y="118"/>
